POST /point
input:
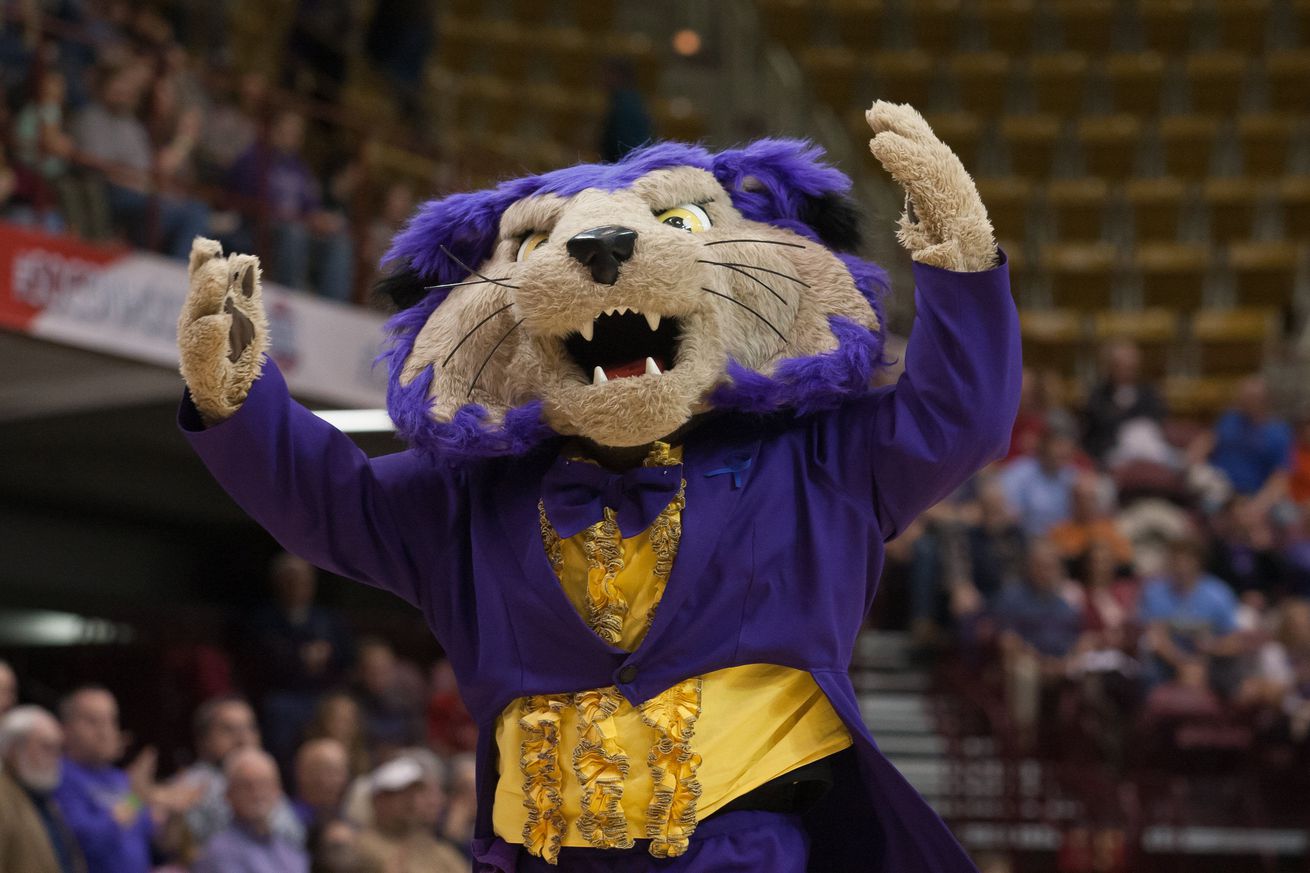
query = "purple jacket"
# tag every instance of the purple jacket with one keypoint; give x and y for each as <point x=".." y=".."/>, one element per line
<point x="777" y="565"/>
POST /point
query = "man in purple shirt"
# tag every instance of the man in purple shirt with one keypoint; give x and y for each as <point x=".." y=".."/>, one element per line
<point x="249" y="844"/>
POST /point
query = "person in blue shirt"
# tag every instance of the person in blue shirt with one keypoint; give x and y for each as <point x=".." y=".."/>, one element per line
<point x="1189" y="618"/>
<point x="1250" y="445"/>
<point x="1040" y="488"/>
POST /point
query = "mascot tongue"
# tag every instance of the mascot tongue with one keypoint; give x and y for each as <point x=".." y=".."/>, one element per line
<point x="632" y="368"/>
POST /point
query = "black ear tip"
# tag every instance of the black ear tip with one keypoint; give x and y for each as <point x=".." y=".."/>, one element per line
<point x="836" y="219"/>
<point x="402" y="288"/>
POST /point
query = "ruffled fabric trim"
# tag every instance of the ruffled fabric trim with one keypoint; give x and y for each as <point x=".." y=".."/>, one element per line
<point x="607" y="608"/>
<point x="601" y="767"/>
<point x="671" y="816"/>
<point x="539" y="718"/>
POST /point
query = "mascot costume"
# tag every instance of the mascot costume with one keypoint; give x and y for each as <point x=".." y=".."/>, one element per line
<point x="648" y="487"/>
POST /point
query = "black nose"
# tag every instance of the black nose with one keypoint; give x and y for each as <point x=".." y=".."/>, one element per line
<point x="603" y="249"/>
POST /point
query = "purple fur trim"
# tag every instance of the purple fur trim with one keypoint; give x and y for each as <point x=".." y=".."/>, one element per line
<point x="768" y="180"/>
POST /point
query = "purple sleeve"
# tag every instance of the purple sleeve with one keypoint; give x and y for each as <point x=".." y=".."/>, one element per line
<point x="320" y="496"/>
<point x="950" y="413"/>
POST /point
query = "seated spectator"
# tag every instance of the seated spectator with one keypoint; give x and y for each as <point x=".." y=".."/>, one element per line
<point x="338" y="717"/>
<point x="398" y="839"/>
<point x="112" y="139"/>
<point x="1245" y="552"/>
<point x="46" y="150"/>
<point x="1281" y="677"/>
<point x="34" y="837"/>
<point x="336" y="850"/>
<point x="1298" y="485"/>
<point x="1121" y="396"/>
<point x="1109" y="600"/>
<point x="295" y="649"/>
<point x="105" y="807"/>
<point x="250" y="843"/>
<point x="232" y="126"/>
<point x="308" y="242"/>
<point x="461" y="803"/>
<point x="322" y="773"/>
<point x="1189" y="619"/>
<point x="224" y="726"/>
<point x="451" y="728"/>
<point x="8" y="687"/>
<point x="391" y="697"/>
<point x="1250" y="445"/>
<point x="1040" y="488"/>
<point x="1090" y="523"/>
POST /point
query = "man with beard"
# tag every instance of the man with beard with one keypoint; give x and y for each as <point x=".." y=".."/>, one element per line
<point x="34" y="837"/>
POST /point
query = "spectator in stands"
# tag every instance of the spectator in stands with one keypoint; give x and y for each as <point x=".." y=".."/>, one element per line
<point x="106" y="807"/>
<point x="322" y="773"/>
<point x="1119" y="397"/>
<point x="46" y="151"/>
<point x="627" y="124"/>
<point x="34" y="837"/>
<point x="296" y="649"/>
<point x="1250" y="445"/>
<point x="1189" y="619"/>
<point x="251" y="843"/>
<point x="114" y="141"/>
<point x="450" y="727"/>
<point x="1299" y="478"/>
<point x="1245" y="552"/>
<point x="308" y="241"/>
<point x="1040" y="488"/>
<point x="996" y="542"/>
<point x="223" y="727"/>
<point x="1281" y="677"/>
<point x="391" y="696"/>
<point x="1090" y="523"/>
<point x="1031" y="420"/>
<point x="336" y="850"/>
<point x="1037" y="627"/>
<point x="8" y="687"/>
<point x="398" y="840"/>
<point x="338" y="717"/>
<point x="232" y="126"/>
<point x="1109" y="600"/>
<point x="461" y="803"/>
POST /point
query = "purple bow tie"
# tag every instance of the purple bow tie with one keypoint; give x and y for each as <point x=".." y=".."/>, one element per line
<point x="576" y="494"/>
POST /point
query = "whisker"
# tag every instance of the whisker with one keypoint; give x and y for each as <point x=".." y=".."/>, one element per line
<point x="777" y="273"/>
<point x="769" y="242"/>
<point x="748" y="309"/>
<point x="473" y="331"/>
<point x="459" y="284"/>
<point x="490" y="355"/>
<point x="754" y="279"/>
<point x="486" y="278"/>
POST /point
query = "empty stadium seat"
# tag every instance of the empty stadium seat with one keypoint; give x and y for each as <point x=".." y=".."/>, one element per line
<point x="1052" y="339"/>
<point x="787" y="21"/>
<point x="1008" y="25"/>
<point x="1231" y="206"/>
<point x="1135" y="80"/>
<point x="1266" y="141"/>
<point x="1288" y="71"/>
<point x="1154" y="330"/>
<point x="1030" y="141"/>
<point x="1241" y="24"/>
<point x="1172" y="274"/>
<point x="1188" y="143"/>
<point x="1198" y="396"/>
<point x="1215" y="80"/>
<point x="1082" y="275"/>
<point x="833" y="71"/>
<point x="1109" y="144"/>
<point x="1166" y="25"/>
<point x="1009" y="203"/>
<point x="1264" y="273"/>
<point x="1293" y="195"/>
<point x="962" y="131"/>
<point x="1078" y="207"/>
<point x="935" y="24"/>
<point x="982" y="80"/>
<point x="1232" y="341"/>
<point x="1058" y="80"/>
<point x="862" y="24"/>
<point x="1156" y="207"/>
<point x="1085" y="25"/>
<point x="903" y="76"/>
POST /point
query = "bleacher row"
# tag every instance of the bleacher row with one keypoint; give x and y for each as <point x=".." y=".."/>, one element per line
<point x="1146" y="162"/>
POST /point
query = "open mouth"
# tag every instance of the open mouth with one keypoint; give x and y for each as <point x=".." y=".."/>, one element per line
<point x="623" y="342"/>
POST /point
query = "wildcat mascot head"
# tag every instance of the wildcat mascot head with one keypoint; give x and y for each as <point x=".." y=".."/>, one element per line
<point x="615" y="302"/>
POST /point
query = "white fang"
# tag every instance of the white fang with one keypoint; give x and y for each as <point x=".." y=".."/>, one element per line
<point x="598" y="376"/>
<point x="653" y="319"/>
<point x="588" y="330"/>
<point x="652" y="369"/>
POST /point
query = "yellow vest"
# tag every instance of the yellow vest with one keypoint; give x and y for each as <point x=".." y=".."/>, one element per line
<point x="595" y="771"/>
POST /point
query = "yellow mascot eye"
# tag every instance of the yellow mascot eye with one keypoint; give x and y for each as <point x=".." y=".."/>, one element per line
<point x="530" y="243"/>
<point x="688" y="217"/>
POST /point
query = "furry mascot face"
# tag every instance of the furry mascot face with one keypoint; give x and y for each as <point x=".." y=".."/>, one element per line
<point x="615" y="302"/>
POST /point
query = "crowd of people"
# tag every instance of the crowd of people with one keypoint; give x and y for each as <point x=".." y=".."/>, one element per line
<point x="334" y="755"/>
<point x="1121" y="570"/>
<point x="111" y="130"/>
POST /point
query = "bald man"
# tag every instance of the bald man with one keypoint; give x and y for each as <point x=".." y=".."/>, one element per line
<point x="249" y="844"/>
<point x="322" y="772"/>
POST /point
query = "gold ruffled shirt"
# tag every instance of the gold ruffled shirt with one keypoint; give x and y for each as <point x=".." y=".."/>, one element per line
<point x="595" y="771"/>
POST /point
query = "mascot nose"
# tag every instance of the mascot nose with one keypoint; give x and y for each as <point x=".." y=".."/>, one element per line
<point x="602" y="249"/>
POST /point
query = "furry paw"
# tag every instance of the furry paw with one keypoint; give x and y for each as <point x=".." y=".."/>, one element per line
<point x="945" y="223"/>
<point x="223" y="331"/>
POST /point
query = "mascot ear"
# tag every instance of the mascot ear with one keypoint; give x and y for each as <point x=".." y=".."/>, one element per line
<point x="402" y="288"/>
<point x="836" y="218"/>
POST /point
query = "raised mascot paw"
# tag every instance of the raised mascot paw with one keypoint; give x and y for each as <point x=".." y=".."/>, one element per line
<point x="222" y="332"/>
<point x="945" y="223"/>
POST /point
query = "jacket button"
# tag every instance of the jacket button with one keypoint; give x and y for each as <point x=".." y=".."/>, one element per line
<point x="627" y="674"/>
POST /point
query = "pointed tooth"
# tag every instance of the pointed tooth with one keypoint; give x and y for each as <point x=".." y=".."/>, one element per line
<point x="626" y="310"/>
<point x="598" y="376"/>
<point x="653" y="319"/>
<point x="613" y="310"/>
<point x="652" y="369"/>
<point x="587" y="329"/>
